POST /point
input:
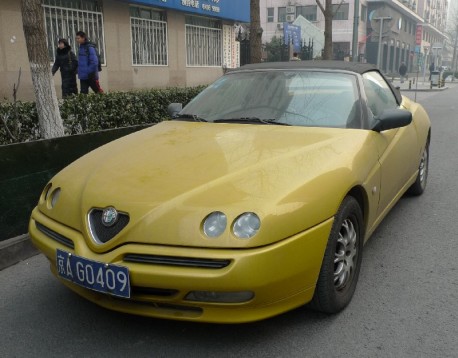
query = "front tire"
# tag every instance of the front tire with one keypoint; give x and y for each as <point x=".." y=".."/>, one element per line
<point x="419" y="186"/>
<point x="342" y="260"/>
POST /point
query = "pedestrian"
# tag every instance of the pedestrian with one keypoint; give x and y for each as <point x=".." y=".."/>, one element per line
<point x="88" y="64"/>
<point x="403" y="71"/>
<point x="431" y="69"/>
<point x="295" y="57"/>
<point x="68" y="64"/>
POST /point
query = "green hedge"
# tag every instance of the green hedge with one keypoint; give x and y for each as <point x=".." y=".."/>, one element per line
<point x="89" y="113"/>
<point x="445" y="74"/>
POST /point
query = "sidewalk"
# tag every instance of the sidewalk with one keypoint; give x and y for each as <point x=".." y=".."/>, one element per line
<point x="412" y="84"/>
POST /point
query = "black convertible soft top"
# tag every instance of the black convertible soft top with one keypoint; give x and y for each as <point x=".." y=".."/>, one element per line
<point x="318" y="64"/>
<point x="355" y="67"/>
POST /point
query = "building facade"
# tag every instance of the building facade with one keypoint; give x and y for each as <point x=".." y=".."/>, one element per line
<point x="409" y="31"/>
<point x="142" y="43"/>
<point x="274" y="13"/>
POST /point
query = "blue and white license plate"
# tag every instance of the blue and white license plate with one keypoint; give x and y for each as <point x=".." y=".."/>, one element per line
<point x="97" y="276"/>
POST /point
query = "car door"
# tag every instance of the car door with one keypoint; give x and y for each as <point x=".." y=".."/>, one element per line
<point x="397" y="147"/>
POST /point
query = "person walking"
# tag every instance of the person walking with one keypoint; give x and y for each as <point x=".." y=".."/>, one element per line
<point x="431" y="69"/>
<point x="68" y="64"/>
<point x="88" y="64"/>
<point x="403" y="71"/>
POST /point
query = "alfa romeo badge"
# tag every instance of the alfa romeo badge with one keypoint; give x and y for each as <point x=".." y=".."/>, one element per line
<point x="109" y="216"/>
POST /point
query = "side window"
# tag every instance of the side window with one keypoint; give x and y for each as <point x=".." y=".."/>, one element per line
<point x="379" y="94"/>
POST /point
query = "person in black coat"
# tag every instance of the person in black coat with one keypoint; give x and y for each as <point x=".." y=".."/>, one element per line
<point x="68" y="64"/>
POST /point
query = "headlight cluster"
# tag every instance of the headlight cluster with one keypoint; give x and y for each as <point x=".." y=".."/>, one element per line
<point x="50" y="196"/>
<point x="245" y="226"/>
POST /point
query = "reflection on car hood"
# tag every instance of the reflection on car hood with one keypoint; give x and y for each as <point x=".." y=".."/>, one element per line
<point x="170" y="176"/>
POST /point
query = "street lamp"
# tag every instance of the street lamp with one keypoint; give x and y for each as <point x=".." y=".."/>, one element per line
<point x="379" y="53"/>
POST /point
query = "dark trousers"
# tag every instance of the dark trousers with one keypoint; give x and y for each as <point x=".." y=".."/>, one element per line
<point x="93" y="83"/>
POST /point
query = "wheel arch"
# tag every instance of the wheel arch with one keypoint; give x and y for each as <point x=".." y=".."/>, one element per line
<point x="361" y="197"/>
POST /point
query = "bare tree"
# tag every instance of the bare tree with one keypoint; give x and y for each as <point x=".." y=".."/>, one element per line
<point x="50" y="121"/>
<point x="255" y="32"/>
<point x="452" y="33"/>
<point x="328" y="16"/>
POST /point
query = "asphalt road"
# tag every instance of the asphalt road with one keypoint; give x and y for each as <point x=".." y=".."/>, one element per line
<point x="405" y="305"/>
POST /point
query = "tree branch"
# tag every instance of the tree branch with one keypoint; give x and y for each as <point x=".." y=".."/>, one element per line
<point x="338" y="8"/>
<point x="320" y="5"/>
<point x="4" y="118"/>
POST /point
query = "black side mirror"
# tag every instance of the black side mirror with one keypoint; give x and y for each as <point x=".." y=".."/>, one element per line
<point x="174" y="108"/>
<point x="392" y="118"/>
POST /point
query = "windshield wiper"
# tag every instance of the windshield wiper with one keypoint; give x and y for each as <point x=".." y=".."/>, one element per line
<point x="195" y="117"/>
<point x="250" y="120"/>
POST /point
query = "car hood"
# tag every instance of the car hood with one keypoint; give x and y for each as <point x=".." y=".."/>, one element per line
<point x="169" y="177"/>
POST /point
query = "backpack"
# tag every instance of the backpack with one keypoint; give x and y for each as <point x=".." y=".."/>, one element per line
<point x="91" y="44"/>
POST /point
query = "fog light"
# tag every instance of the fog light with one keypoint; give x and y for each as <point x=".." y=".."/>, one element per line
<point x="220" y="297"/>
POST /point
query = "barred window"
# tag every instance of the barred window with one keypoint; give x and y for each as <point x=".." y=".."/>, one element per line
<point x="203" y="42"/>
<point x="149" y="36"/>
<point x="64" y="18"/>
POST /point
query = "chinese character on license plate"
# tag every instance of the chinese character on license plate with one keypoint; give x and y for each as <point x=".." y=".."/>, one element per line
<point x="97" y="276"/>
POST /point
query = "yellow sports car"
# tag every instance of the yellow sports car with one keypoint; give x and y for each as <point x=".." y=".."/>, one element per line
<point x="256" y="198"/>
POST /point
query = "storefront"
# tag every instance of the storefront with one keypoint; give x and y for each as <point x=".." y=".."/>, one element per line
<point x="142" y="43"/>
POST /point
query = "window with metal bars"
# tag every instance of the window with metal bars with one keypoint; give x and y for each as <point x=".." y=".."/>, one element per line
<point x="149" y="37"/>
<point x="64" y="18"/>
<point x="204" y="45"/>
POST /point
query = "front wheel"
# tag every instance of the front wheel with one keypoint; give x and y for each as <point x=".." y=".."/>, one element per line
<point x="342" y="260"/>
<point x="419" y="186"/>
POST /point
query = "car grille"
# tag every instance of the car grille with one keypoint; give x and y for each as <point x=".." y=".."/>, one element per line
<point x="101" y="233"/>
<point x="55" y="236"/>
<point x="177" y="261"/>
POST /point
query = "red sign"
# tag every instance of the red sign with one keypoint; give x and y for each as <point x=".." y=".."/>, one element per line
<point x="418" y="35"/>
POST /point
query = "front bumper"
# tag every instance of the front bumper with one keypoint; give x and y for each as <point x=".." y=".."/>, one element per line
<point x="282" y="276"/>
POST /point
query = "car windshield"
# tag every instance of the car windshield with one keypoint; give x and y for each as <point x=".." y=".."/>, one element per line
<point x="288" y="97"/>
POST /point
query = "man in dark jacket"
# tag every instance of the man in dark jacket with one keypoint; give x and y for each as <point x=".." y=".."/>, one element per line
<point x="67" y="63"/>
<point x="88" y="64"/>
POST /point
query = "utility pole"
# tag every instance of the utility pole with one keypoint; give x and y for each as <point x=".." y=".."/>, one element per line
<point x="379" y="53"/>
<point x="354" y="46"/>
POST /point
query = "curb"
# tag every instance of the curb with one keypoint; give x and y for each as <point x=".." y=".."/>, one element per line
<point x="15" y="250"/>
<point x="425" y="89"/>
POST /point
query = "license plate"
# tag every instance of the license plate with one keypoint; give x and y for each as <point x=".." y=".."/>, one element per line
<point x="97" y="276"/>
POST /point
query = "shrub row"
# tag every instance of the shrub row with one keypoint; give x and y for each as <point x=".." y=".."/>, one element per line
<point x="445" y="74"/>
<point x="89" y="113"/>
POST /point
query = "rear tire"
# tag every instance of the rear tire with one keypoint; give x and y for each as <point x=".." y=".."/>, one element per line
<point x="342" y="260"/>
<point x="419" y="186"/>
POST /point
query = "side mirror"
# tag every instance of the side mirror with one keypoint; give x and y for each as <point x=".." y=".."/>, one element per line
<point x="392" y="118"/>
<point x="174" y="108"/>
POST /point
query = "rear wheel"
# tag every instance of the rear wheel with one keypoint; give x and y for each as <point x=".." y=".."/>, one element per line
<point x="342" y="260"/>
<point x="419" y="186"/>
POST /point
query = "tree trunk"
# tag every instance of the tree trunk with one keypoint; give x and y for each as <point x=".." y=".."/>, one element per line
<point x="328" y="16"/>
<point x="50" y="121"/>
<point x="255" y="32"/>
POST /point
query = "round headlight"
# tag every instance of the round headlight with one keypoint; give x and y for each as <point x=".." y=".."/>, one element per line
<point x="215" y="224"/>
<point x="246" y="226"/>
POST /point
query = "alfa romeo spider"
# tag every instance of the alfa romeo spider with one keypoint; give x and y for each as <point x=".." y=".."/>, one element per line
<point x="255" y="198"/>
